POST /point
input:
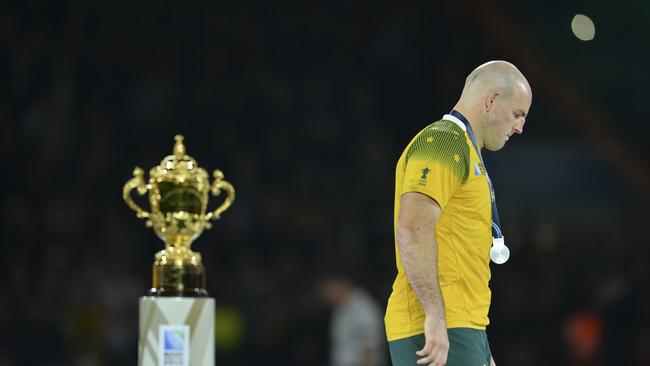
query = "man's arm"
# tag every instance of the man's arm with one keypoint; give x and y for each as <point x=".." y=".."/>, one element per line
<point x="418" y="249"/>
<point x="492" y="363"/>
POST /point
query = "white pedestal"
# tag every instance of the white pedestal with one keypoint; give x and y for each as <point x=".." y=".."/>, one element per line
<point x="176" y="331"/>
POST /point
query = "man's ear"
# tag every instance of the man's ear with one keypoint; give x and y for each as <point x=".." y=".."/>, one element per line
<point x="491" y="100"/>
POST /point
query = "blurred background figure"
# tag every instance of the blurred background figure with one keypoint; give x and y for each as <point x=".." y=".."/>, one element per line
<point x="583" y="337"/>
<point x="356" y="325"/>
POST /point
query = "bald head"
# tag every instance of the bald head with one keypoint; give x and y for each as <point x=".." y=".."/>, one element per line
<point x="496" y="99"/>
<point x="501" y="76"/>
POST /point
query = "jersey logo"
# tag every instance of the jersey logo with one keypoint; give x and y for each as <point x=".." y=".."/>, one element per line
<point x="423" y="178"/>
<point x="479" y="169"/>
<point x="425" y="171"/>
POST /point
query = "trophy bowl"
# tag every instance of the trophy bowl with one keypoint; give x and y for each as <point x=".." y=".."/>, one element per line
<point x="178" y="195"/>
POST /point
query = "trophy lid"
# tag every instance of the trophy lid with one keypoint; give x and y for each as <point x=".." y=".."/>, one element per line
<point x="179" y="166"/>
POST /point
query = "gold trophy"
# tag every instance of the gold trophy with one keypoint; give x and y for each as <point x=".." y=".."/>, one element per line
<point x="177" y="317"/>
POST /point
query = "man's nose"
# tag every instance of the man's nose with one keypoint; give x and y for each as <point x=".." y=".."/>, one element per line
<point x="519" y="127"/>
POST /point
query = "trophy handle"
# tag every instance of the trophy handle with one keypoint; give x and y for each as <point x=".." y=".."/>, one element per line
<point x="217" y="185"/>
<point x="136" y="182"/>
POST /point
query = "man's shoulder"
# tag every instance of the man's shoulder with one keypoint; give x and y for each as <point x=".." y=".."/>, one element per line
<point x="441" y="137"/>
<point x="445" y="126"/>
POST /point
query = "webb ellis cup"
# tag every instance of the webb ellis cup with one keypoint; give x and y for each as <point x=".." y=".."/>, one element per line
<point x="177" y="316"/>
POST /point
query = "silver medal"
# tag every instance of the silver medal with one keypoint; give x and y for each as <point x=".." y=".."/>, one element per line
<point x="499" y="253"/>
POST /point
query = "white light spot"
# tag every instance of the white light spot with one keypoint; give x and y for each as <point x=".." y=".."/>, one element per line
<point x="583" y="27"/>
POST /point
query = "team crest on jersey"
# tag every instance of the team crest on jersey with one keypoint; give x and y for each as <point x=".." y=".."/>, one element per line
<point x="423" y="177"/>
<point x="479" y="169"/>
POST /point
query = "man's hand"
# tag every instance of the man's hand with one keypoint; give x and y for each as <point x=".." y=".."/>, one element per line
<point x="436" y="345"/>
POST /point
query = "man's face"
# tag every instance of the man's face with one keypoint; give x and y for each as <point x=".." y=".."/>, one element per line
<point x="506" y="118"/>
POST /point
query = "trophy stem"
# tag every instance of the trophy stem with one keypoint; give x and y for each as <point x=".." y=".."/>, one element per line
<point x="177" y="271"/>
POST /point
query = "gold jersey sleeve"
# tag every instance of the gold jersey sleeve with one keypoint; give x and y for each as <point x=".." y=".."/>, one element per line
<point x="436" y="163"/>
<point x="440" y="162"/>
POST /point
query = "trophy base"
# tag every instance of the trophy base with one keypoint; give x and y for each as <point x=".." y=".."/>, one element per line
<point x="176" y="331"/>
<point x="173" y="280"/>
<point x="173" y="292"/>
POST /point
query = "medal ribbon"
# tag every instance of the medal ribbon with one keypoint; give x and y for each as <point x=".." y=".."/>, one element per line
<point x="496" y="223"/>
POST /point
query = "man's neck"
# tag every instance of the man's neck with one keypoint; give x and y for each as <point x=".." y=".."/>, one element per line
<point x="472" y="118"/>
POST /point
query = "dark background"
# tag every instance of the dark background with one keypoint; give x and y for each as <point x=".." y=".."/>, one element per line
<point x="306" y="107"/>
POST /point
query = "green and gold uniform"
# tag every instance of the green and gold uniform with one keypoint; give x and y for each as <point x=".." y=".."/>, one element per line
<point x="441" y="163"/>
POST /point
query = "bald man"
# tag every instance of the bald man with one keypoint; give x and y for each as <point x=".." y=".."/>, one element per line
<point x="438" y="310"/>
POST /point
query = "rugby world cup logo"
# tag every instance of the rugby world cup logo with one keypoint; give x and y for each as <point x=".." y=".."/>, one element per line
<point x="174" y="345"/>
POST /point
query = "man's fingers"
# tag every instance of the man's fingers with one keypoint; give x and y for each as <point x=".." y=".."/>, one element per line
<point x="425" y="360"/>
<point x="437" y="356"/>
<point x="425" y="350"/>
<point x="441" y="360"/>
<point x="425" y="353"/>
<point x="444" y="359"/>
